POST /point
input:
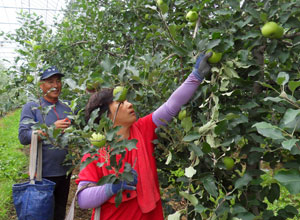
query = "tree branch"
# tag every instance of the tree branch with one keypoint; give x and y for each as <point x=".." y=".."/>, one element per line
<point x="167" y="27"/>
<point x="291" y="36"/>
<point x="197" y="26"/>
<point x="258" y="54"/>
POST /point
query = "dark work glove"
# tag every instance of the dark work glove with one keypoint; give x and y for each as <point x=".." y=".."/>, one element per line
<point x="115" y="188"/>
<point x="123" y="185"/>
<point x="202" y="68"/>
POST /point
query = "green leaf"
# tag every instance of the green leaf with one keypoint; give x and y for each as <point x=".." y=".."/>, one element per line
<point x="86" y="162"/>
<point x="172" y="29"/>
<point x="274" y="192"/>
<point x="176" y="215"/>
<point x="221" y="127"/>
<point x="56" y="132"/>
<point x="112" y="133"/>
<point x="250" y="105"/>
<point x="196" y="149"/>
<point x="282" y="78"/>
<point x="289" y="144"/>
<point x="180" y="51"/>
<point x="283" y="56"/>
<point x="237" y="208"/>
<point x="268" y="130"/>
<point x="267" y="85"/>
<point x="290" y="115"/>
<point x="129" y="144"/>
<point x="273" y="99"/>
<point x="291" y="210"/>
<point x="191" y="137"/>
<point x="245" y="216"/>
<point x="293" y="85"/>
<point x="231" y="116"/>
<point x="127" y="176"/>
<point x="206" y="148"/>
<point x="230" y="72"/>
<point x="243" y="181"/>
<point x="118" y="198"/>
<point x="211" y="44"/>
<point x="209" y="185"/>
<point x="199" y="208"/>
<point x="187" y="124"/>
<point x="107" y="64"/>
<point x="189" y="197"/>
<point x="110" y="178"/>
<point x="207" y="127"/>
<point x="290" y="179"/>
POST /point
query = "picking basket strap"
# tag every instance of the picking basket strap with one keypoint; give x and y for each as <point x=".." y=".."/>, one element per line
<point x="70" y="215"/>
<point x="35" y="155"/>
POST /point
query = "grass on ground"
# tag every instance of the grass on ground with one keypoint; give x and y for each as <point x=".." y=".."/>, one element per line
<point x="12" y="160"/>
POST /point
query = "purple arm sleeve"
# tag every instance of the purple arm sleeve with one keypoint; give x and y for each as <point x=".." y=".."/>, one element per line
<point x="180" y="97"/>
<point x="92" y="197"/>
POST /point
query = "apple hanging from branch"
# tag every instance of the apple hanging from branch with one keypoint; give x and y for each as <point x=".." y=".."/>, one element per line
<point x="191" y="16"/>
<point x="120" y="93"/>
<point x="272" y="30"/>
<point x="98" y="140"/>
<point x="215" y="57"/>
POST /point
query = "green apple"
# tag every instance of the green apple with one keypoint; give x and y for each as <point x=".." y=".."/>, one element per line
<point x="191" y="16"/>
<point x="215" y="57"/>
<point x="120" y="93"/>
<point x="228" y="162"/>
<point x="272" y="30"/>
<point x="159" y="2"/>
<point x="279" y="32"/>
<point x="98" y="140"/>
<point x="182" y="114"/>
<point x="29" y="78"/>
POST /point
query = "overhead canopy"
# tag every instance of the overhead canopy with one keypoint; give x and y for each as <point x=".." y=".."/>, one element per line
<point x="9" y="9"/>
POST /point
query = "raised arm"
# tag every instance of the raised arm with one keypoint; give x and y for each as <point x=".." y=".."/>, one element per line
<point x="183" y="93"/>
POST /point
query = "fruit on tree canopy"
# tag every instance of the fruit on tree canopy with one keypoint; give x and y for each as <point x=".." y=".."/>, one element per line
<point x="279" y="33"/>
<point x="215" y="57"/>
<point x="159" y="2"/>
<point x="29" y="78"/>
<point x="191" y="16"/>
<point x="272" y="30"/>
<point x="120" y="93"/>
<point x="228" y="162"/>
<point x="98" y="140"/>
<point x="182" y="114"/>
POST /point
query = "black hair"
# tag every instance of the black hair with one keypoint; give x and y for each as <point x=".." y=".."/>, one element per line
<point x="101" y="99"/>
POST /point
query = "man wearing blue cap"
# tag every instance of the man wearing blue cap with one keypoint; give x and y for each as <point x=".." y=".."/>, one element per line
<point x="53" y="158"/>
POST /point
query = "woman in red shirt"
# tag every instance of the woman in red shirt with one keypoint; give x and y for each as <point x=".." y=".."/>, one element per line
<point x="141" y="197"/>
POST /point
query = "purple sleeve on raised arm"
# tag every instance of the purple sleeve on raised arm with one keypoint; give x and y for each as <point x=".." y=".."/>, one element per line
<point x="180" y="97"/>
<point x="92" y="197"/>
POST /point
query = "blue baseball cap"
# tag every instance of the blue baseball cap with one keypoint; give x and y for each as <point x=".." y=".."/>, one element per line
<point x="50" y="72"/>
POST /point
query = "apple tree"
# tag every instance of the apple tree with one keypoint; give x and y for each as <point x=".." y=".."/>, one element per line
<point x="241" y="125"/>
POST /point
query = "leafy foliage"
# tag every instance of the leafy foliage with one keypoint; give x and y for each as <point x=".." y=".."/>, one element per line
<point x="247" y="110"/>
